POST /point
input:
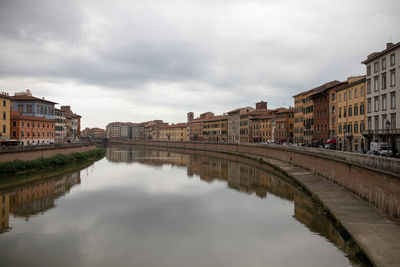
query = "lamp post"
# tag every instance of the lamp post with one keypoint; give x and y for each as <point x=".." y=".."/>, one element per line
<point x="344" y="137"/>
<point x="388" y="124"/>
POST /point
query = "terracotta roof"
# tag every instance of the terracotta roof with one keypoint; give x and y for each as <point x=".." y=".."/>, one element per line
<point x="177" y="125"/>
<point x="347" y="85"/>
<point x="238" y="109"/>
<point x="29" y="97"/>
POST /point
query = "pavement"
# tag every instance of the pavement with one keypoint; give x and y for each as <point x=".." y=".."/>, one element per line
<point x="377" y="236"/>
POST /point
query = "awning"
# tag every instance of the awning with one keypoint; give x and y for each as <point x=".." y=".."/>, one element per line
<point x="330" y="141"/>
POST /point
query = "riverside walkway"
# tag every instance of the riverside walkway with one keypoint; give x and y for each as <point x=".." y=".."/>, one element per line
<point x="378" y="236"/>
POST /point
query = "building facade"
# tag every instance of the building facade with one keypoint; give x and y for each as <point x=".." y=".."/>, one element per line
<point x="351" y="115"/>
<point x="174" y="132"/>
<point x="29" y="130"/>
<point x="215" y="129"/>
<point x="234" y="123"/>
<point x="382" y="97"/>
<point x="284" y="125"/>
<point x="60" y="126"/>
<point x="27" y="105"/>
<point x="5" y="110"/>
<point x="73" y="124"/>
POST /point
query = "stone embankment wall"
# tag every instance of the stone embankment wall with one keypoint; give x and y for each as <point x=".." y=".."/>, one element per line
<point x="375" y="179"/>
<point x="45" y="151"/>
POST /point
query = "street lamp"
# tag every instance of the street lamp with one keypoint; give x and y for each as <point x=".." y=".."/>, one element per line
<point x="388" y="124"/>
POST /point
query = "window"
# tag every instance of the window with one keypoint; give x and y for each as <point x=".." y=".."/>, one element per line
<point x="344" y="112"/>
<point x="369" y="70"/>
<point x="333" y="109"/>
<point x="393" y="120"/>
<point x="4" y="115"/>
<point x="14" y="123"/>
<point x="350" y="95"/>
<point x="355" y="110"/>
<point x="384" y="102"/>
<point x="383" y="63"/>
<point x="340" y="128"/>
<point x="340" y="112"/>
<point x="4" y="128"/>
<point x="333" y="96"/>
<point x="355" y="93"/>
<point x="376" y="123"/>
<point x="362" y="127"/>
<point x="392" y="59"/>
<point x="376" y="67"/>
<point x="369" y="107"/>
<point x="376" y="83"/>
<point x="362" y="109"/>
<point x="362" y="91"/>
<point x="22" y="133"/>
<point x="340" y="98"/>
<point x="23" y="124"/>
<point x="393" y="77"/>
<point x="384" y="120"/>
<point x="29" y="108"/>
<point x="355" y="127"/>
<point x="4" y="103"/>
<point x="344" y="96"/>
<point x="393" y="100"/>
<point x="369" y="123"/>
<point x="20" y="108"/>
<point x="368" y="86"/>
<point x="384" y="80"/>
<point x="350" y="111"/>
<point x="376" y="103"/>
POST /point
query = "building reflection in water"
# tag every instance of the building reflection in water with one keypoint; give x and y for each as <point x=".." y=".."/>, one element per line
<point x="35" y="198"/>
<point x="241" y="177"/>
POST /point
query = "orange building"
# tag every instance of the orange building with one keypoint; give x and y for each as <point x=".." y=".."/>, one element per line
<point x="29" y="130"/>
<point x="284" y="125"/>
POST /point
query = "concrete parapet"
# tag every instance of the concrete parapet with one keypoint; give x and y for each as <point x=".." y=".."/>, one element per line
<point x="45" y="151"/>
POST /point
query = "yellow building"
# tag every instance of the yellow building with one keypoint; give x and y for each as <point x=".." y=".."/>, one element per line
<point x="215" y="129"/>
<point x="299" y="101"/>
<point x="351" y="114"/>
<point x="266" y="128"/>
<point x="5" y="109"/>
<point x="174" y="132"/>
<point x="4" y="209"/>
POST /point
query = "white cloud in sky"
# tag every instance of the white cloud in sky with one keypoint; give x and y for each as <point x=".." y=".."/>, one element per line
<point x="143" y="60"/>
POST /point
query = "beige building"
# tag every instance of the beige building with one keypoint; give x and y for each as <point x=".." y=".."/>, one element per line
<point x="351" y="115"/>
<point x="174" y="132"/>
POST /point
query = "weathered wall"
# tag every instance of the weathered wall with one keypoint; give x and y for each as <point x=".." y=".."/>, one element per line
<point x="375" y="179"/>
<point x="35" y="152"/>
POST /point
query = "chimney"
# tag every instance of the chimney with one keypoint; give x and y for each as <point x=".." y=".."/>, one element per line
<point x="389" y="45"/>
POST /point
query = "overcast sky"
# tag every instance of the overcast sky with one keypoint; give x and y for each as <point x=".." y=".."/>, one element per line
<point x="158" y="59"/>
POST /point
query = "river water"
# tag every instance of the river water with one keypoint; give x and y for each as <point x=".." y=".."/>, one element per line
<point x="146" y="207"/>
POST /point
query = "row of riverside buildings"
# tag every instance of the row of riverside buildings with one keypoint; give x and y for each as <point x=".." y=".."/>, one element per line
<point x="349" y="115"/>
<point x="28" y="120"/>
<point x="246" y="124"/>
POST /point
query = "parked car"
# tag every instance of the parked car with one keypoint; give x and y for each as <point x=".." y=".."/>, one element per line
<point x="373" y="152"/>
<point x="360" y="151"/>
<point x="385" y="151"/>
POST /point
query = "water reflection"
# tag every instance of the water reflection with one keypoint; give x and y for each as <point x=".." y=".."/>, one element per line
<point x="148" y="207"/>
<point x="35" y="198"/>
<point x="241" y="177"/>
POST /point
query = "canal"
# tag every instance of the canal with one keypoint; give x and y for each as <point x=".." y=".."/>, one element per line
<point x="148" y="207"/>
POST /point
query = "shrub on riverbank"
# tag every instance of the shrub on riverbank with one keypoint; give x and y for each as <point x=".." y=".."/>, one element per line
<point x="55" y="161"/>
